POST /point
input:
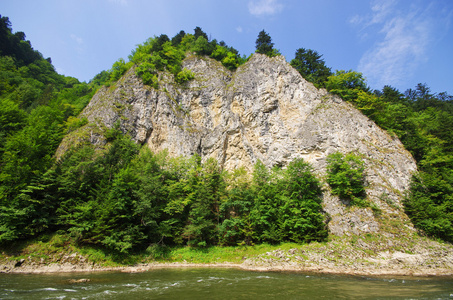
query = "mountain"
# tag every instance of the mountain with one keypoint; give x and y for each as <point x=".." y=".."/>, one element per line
<point x="189" y="144"/>
<point x="263" y="111"/>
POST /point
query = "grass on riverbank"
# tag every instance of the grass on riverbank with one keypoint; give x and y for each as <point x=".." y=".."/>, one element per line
<point x="364" y="252"/>
<point x="346" y="251"/>
<point x="56" y="248"/>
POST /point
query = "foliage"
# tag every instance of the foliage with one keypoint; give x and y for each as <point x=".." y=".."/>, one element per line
<point x="198" y="32"/>
<point x="310" y="65"/>
<point x="176" y="40"/>
<point x="118" y="69"/>
<point x="430" y="205"/>
<point x="184" y="76"/>
<point x="301" y="213"/>
<point x="161" y="53"/>
<point x="36" y="104"/>
<point x="206" y="188"/>
<point x="264" y="45"/>
<point x="422" y="121"/>
<point x="228" y="57"/>
<point x="15" y="45"/>
<point x="100" y="78"/>
<point x="347" y="85"/>
<point x="276" y="206"/>
<point x="345" y="175"/>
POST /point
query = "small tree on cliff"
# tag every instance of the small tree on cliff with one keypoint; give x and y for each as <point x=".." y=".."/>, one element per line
<point x="264" y="45"/>
<point x="346" y="177"/>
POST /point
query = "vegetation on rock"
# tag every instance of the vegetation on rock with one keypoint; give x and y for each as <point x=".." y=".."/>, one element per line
<point x="161" y="53"/>
<point x="345" y="175"/>
<point x="422" y="121"/>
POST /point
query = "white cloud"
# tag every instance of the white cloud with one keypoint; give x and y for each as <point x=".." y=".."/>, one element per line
<point x="403" y="39"/>
<point x="264" y="7"/>
<point x="121" y="2"/>
<point x="80" y="45"/>
<point x="239" y="29"/>
<point x="381" y="10"/>
<point x="77" y="39"/>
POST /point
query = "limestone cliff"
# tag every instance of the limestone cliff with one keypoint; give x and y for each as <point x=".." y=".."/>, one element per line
<point x="264" y="110"/>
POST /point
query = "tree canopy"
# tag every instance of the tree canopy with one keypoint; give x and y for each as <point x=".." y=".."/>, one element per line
<point x="38" y="106"/>
<point x="162" y="54"/>
<point x="311" y="66"/>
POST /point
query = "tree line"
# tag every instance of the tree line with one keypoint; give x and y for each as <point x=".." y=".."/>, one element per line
<point x="129" y="198"/>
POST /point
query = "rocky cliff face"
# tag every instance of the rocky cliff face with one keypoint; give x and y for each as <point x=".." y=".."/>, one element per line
<point x="264" y="110"/>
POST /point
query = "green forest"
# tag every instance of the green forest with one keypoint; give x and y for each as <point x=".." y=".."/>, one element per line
<point x="124" y="198"/>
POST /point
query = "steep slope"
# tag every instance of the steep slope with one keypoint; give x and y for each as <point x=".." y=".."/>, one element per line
<point x="264" y="110"/>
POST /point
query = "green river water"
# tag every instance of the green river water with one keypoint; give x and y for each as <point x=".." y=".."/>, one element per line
<point x="219" y="284"/>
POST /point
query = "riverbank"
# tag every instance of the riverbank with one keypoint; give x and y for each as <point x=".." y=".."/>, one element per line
<point x="366" y="255"/>
<point x="320" y="269"/>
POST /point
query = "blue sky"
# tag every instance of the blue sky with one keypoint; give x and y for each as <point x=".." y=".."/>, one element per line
<point x="392" y="42"/>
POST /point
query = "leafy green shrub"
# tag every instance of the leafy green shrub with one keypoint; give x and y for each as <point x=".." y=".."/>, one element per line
<point x="345" y="175"/>
<point x="118" y="69"/>
<point x="148" y="73"/>
<point x="231" y="61"/>
<point x="430" y="205"/>
<point x="73" y="123"/>
<point x="154" y="56"/>
<point x="202" y="46"/>
<point x="219" y="53"/>
<point x="346" y="84"/>
<point x="184" y="76"/>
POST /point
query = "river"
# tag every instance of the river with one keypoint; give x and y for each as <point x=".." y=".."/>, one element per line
<point x="207" y="283"/>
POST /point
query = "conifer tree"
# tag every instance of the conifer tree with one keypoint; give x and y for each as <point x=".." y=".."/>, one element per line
<point x="264" y="45"/>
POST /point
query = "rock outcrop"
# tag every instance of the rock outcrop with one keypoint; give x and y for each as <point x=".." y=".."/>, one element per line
<point x="264" y="110"/>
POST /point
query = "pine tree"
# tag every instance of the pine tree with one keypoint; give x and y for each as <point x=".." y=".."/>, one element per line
<point x="264" y="45"/>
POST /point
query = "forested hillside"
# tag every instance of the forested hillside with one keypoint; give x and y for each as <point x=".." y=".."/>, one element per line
<point x="122" y="197"/>
<point x="38" y="106"/>
<point x="420" y="118"/>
